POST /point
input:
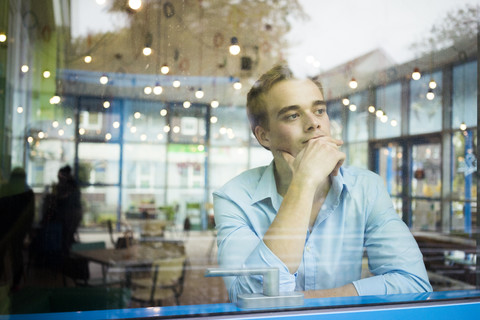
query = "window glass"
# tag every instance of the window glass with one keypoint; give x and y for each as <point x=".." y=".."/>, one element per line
<point x="389" y="100"/>
<point x="126" y="118"/>
<point x="358" y="117"/>
<point x="465" y="94"/>
<point x="426" y="104"/>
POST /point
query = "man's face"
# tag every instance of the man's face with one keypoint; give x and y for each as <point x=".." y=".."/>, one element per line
<point x="296" y="113"/>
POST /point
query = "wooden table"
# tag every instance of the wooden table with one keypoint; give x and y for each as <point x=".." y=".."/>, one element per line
<point x="131" y="258"/>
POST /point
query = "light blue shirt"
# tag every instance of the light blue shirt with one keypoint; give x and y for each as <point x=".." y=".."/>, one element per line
<point x="357" y="214"/>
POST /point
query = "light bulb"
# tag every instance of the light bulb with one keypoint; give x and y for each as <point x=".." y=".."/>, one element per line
<point x="159" y="136"/>
<point x="134" y="4"/>
<point x="393" y="123"/>
<point x="55" y="124"/>
<point x="176" y="84"/>
<point x="164" y="69"/>
<point x="345" y="101"/>
<point x="19" y="109"/>
<point x="147" y="90"/>
<point x="416" y="75"/>
<point x="176" y="129"/>
<point x="353" y="83"/>
<point x="157" y="90"/>
<point x="46" y="74"/>
<point x="68" y="121"/>
<point x="137" y="115"/>
<point x="116" y="124"/>
<point x="234" y="48"/>
<point x="108" y="136"/>
<point x="81" y="131"/>
<point x="352" y="108"/>
<point x="163" y="112"/>
<point x="384" y="118"/>
<point x="147" y="51"/>
<point x="371" y="109"/>
<point x="214" y="104"/>
<point x="432" y="84"/>
<point x="379" y="113"/>
<point x="463" y="126"/>
<point x="3" y="37"/>
<point x="24" y="68"/>
<point x="166" y="128"/>
<point x="213" y="119"/>
<point x="61" y="132"/>
<point x="106" y="104"/>
<point x="104" y="79"/>
<point x="186" y="104"/>
<point x="55" y="100"/>
<point x="143" y="137"/>
<point x="199" y="93"/>
<point x="41" y="135"/>
<point x="237" y="85"/>
<point x="87" y="59"/>
<point x="30" y="139"/>
<point x="430" y="95"/>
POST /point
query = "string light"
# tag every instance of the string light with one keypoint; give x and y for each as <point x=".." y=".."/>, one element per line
<point x="165" y="69"/>
<point x="68" y="121"/>
<point x="214" y="104"/>
<point x="416" y="75"/>
<point x="345" y="101"/>
<point x="384" y="118"/>
<point x="3" y="37"/>
<point x="147" y="51"/>
<point x="106" y="104"/>
<point x="379" y="113"/>
<point x="137" y="115"/>
<point x="24" y="68"/>
<point x="371" y="109"/>
<point x="163" y="112"/>
<point x="187" y="104"/>
<point x="430" y="95"/>
<point x="147" y="90"/>
<point x="353" y="83"/>
<point x="55" y="99"/>
<point x="55" y="124"/>
<point x="46" y="74"/>
<point x="213" y="119"/>
<point x="134" y="4"/>
<point x="157" y="90"/>
<point x="104" y="79"/>
<point x="237" y="85"/>
<point x="176" y="83"/>
<point x="116" y="124"/>
<point x="352" y="107"/>
<point x="393" y="123"/>
<point x="19" y="109"/>
<point x="108" y="136"/>
<point x="234" y="48"/>
<point x="199" y="93"/>
<point x="432" y="84"/>
<point x="463" y="126"/>
<point x="87" y="59"/>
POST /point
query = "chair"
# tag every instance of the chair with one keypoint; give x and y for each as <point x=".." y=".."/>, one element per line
<point x="165" y="282"/>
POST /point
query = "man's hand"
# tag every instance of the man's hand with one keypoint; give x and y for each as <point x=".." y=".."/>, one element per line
<point x="320" y="158"/>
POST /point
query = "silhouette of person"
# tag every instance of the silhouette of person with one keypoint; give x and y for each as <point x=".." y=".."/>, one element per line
<point x="17" y="203"/>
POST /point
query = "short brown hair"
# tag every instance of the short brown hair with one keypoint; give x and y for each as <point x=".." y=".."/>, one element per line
<point x="256" y="106"/>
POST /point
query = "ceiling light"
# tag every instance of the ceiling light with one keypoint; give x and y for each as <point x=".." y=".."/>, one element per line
<point x="147" y="51"/>
<point x="46" y="74"/>
<point x="3" y="37"/>
<point x="371" y="109"/>
<point x="416" y="75"/>
<point x="352" y="108"/>
<point x="463" y="126"/>
<point x="199" y="93"/>
<point x="379" y="113"/>
<point x="393" y="123"/>
<point x="214" y="104"/>
<point x="237" y="85"/>
<point x="384" y="118"/>
<point x="106" y="104"/>
<point x="186" y="104"/>
<point x="176" y="83"/>
<point x="432" y="84"/>
<point x="24" y="68"/>
<point x="134" y="4"/>
<point x="163" y="112"/>
<point x="345" y="101"/>
<point x="430" y="95"/>
<point x="353" y="83"/>
<point x="55" y="99"/>
<point x="87" y="59"/>
<point x="104" y="79"/>
<point x="157" y="89"/>
<point x="213" y="119"/>
<point x="234" y="48"/>
<point x="19" y="109"/>
<point x="165" y="69"/>
<point x="147" y="90"/>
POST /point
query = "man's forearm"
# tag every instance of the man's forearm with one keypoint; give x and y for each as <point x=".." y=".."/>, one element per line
<point x="344" y="291"/>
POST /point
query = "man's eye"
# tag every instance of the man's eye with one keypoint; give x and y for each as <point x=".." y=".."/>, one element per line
<point x="292" y="116"/>
<point x="321" y="111"/>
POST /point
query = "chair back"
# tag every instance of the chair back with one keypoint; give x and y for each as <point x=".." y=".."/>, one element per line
<point x="169" y="271"/>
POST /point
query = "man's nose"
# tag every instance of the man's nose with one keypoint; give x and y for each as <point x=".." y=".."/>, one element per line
<point x="311" y="122"/>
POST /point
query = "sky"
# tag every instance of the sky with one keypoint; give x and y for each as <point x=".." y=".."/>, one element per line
<point x="337" y="31"/>
<point x="341" y="30"/>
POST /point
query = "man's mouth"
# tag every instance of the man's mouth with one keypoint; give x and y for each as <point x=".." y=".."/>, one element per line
<point x="313" y="138"/>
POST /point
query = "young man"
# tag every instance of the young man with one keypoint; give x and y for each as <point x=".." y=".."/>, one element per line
<point x="306" y="214"/>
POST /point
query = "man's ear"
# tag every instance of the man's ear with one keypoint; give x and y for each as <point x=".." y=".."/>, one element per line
<point x="262" y="136"/>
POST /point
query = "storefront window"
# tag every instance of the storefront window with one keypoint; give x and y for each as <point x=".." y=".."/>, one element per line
<point x="122" y="123"/>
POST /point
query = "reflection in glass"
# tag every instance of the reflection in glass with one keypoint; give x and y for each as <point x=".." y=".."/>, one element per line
<point x="464" y="95"/>
<point x="426" y="168"/>
<point x="425" y="215"/>
<point x="425" y="114"/>
<point x="388" y="99"/>
<point x="390" y="167"/>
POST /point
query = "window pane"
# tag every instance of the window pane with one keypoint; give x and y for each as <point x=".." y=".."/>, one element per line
<point x="357" y="117"/>
<point x="389" y="100"/>
<point x="334" y="110"/>
<point x="426" y="114"/>
<point x="465" y="95"/>
<point x="464" y="185"/>
<point x="390" y="168"/>
<point x="98" y="163"/>
<point x="426" y="168"/>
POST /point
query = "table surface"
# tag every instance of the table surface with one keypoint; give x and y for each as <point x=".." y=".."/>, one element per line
<point x="135" y="255"/>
